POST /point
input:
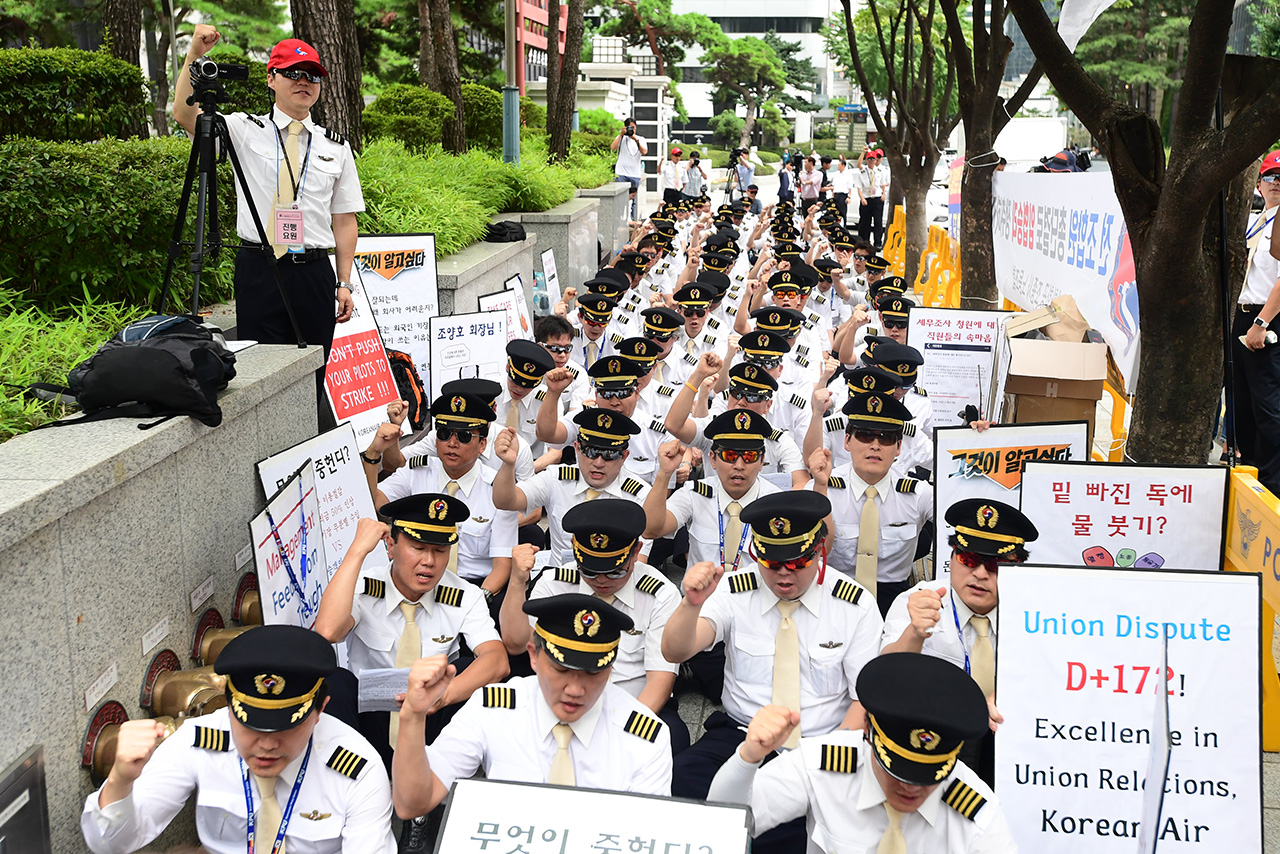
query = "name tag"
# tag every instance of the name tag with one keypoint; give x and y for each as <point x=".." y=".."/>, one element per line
<point x="289" y="229"/>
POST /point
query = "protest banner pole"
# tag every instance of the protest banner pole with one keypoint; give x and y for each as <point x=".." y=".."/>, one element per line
<point x="1224" y="277"/>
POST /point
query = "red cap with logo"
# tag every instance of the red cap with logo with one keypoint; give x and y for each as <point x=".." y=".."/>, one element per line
<point x="291" y="52"/>
<point x="676" y="152"/>
<point x="1271" y="162"/>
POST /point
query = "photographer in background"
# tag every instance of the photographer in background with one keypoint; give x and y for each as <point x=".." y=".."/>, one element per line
<point x="630" y="147"/>
<point x="307" y="194"/>
<point x="744" y="170"/>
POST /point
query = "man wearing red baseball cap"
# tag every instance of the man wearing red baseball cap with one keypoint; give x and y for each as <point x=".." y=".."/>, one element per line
<point x="304" y="187"/>
<point x="672" y="177"/>
<point x="1256" y="365"/>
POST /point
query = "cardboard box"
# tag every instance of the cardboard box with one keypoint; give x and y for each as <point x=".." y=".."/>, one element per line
<point x="1054" y="381"/>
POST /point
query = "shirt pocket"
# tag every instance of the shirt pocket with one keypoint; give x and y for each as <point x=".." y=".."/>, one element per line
<point x="753" y="659"/>
<point x="378" y="640"/>
<point x="897" y="540"/>
<point x="319" y="835"/>
<point x="826" y="665"/>
<point x="220" y="812"/>
<point x="322" y="174"/>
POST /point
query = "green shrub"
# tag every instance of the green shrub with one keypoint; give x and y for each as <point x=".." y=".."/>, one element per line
<point x="769" y="156"/>
<point x="592" y="143"/>
<point x="599" y="121"/>
<point x="482" y="112"/>
<point x="532" y="115"/>
<point x="250" y="96"/>
<point x="727" y="127"/>
<point x="538" y="186"/>
<point x="67" y="94"/>
<point x="414" y="115"/>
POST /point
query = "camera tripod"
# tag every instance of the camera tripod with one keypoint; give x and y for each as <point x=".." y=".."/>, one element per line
<point x="202" y="175"/>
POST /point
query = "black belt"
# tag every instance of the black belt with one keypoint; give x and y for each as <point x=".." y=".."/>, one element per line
<point x="304" y="257"/>
<point x="1249" y="309"/>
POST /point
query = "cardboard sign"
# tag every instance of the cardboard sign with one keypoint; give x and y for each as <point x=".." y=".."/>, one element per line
<point x="552" y="277"/>
<point x="510" y="302"/>
<point x="1123" y="515"/>
<point x="557" y="820"/>
<point x="969" y="464"/>
<point x="398" y="272"/>
<point x="1079" y="657"/>
<point x="468" y="345"/>
<point x="357" y="378"/>
<point x="958" y="346"/>
<point x="342" y="488"/>
<point x="290" y="558"/>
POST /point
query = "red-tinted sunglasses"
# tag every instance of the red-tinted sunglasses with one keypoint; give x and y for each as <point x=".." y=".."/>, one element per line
<point x="973" y="560"/>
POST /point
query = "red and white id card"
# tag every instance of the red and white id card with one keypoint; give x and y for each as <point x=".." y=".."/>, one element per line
<point x="289" y="229"/>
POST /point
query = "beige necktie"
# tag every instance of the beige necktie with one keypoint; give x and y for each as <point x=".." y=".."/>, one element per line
<point x="286" y="178"/>
<point x="593" y="352"/>
<point x="868" y="542"/>
<point x="561" y="764"/>
<point x="982" y="662"/>
<point x="786" y="664"/>
<point x="593" y="494"/>
<point x="732" y="534"/>
<point x="452" y="488"/>
<point x="893" y="842"/>
<point x="268" y="818"/>
<point x="659" y="373"/>
<point x="690" y="345"/>
<point x="513" y="416"/>
<point x="408" y="650"/>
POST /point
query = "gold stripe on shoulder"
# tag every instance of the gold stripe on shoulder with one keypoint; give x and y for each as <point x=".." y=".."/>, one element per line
<point x="208" y="738"/>
<point x="650" y="584"/>
<point x="451" y="596"/>
<point x="701" y="487"/>
<point x="964" y="799"/>
<point x="569" y="473"/>
<point x="375" y="587"/>
<point x="847" y="590"/>
<point x="743" y="582"/>
<point x="567" y="574"/>
<point x="346" y="763"/>
<point x="840" y="758"/>
<point x="631" y="486"/>
<point x="499" y="697"/>
<point x="418" y="461"/>
<point x="834" y="425"/>
<point x="643" y="726"/>
<point x="836" y="482"/>
<point x="907" y="484"/>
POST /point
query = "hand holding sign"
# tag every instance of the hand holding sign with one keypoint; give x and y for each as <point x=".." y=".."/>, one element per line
<point x="925" y="610"/>
<point x="700" y="582"/>
<point x="768" y="731"/>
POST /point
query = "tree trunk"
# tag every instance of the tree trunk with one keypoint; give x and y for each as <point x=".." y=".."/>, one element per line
<point x="744" y="139"/>
<point x="915" y="188"/>
<point x="455" y="129"/>
<point x="158" y="67"/>
<point x="428" y="73"/>
<point x="561" y="132"/>
<point x="327" y="26"/>
<point x="553" y="59"/>
<point x="977" y="260"/>
<point x="122" y="19"/>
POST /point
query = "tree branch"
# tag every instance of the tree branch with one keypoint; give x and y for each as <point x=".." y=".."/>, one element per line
<point x="1250" y="133"/>
<point x="1206" y="47"/>
<point x="962" y="57"/>
<point x="1083" y="95"/>
<point x="872" y="107"/>
<point x="1010" y="108"/>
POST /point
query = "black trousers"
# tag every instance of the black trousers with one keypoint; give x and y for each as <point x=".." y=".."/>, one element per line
<point x="672" y="196"/>
<point x="260" y="311"/>
<point x="887" y="591"/>
<point x="842" y="205"/>
<point x="805" y="204"/>
<point x="1257" y="401"/>
<point x="871" y="221"/>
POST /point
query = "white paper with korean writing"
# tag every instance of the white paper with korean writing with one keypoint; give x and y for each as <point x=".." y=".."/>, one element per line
<point x="398" y="272"/>
<point x="516" y="283"/>
<point x="958" y="346"/>
<point x="291" y="578"/>
<point x="552" y="277"/>
<point x="1065" y="234"/>
<point x="969" y="464"/>
<point x="1077" y="654"/>
<point x="1123" y="514"/>
<point x="357" y="378"/>
<point x="342" y="488"/>
<point x="464" y="346"/>
<point x="584" y="821"/>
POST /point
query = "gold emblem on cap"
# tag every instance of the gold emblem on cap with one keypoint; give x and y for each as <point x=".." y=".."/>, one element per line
<point x="530" y="367"/>
<point x="599" y="541"/>
<point x="458" y="404"/>
<point x="924" y="739"/>
<point x="988" y="516"/>
<point x="586" y="622"/>
<point x="874" y="405"/>
<point x="615" y="366"/>
<point x="605" y="421"/>
<point x="750" y="372"/>
<point x="269" y="683"/>
<point x="780" y="526"/>
<point x="904" y="368"/>
<point x="868" y="382"/>
<point x="742" y="420"/>
<point x="439" y="510"/>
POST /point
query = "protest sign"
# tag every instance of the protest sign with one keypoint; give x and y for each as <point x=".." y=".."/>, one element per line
<point x="357" y="378"/>
<point x="510" y="302"/>
<point x="969" y="464"/>
<point x="343" y="490"/>
<point x="955" y="183"/>
<point x="468" y="345"/>
<point x="398" y="274"/>
<point x="552" y="277"/>
<point x="1078" y="658"/>
<point x="1121" y="514"/>
<point x="1065" y="234"/>
<point x="290" y="557"/>
<point x="958" y="346"/>
<point x="557" y="820"/>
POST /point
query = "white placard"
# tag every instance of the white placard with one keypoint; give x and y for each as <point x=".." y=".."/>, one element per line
<point x="342" y="486"/>
<point x="201" y="594"/>
<point x="516" y="283"/>
<point x="154" y="635"/>
<point x="1120" y="514"/>
<point x="969" y="464"/>
<point x="245" y="555"/>
<point x="551" y="276"/>
<point x="467" y="345"/>
<point x="357" y="377"/>
<point x="291" y="574"/>
<point x="398" y="273"/>
<point x="104" y="683"/>
<point x="1078" y="655"/>
<point x="1065" y="234"/>
<point x="506" y="302"/>
<point x="580" y="821"/>
<point x="958" y="346"/>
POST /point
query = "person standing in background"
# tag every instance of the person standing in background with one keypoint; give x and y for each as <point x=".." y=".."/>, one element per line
<point x="630" y="147"/>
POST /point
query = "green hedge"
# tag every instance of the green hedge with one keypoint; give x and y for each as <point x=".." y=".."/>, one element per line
<point x="599" y="121"/>
<point x="66" y="94"/>
<point x="532" y="115"/>
<point x="414" y="115"/>
<point x="482" y="114"/>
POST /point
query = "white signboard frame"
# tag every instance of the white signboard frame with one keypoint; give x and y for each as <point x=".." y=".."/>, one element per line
<point x="467" y="345"/>
<point x="281" y="593"/>
<point x="988" y="470"/>
<point x="1127" y="514"/>
<point x="551" y="277"/>
<point x="511" y="301"/>
<point x="399" y="276"/>
<point x="959" y="347"/>
<point x="1079" y="654"/>
<point x="580" y="817"/>
<point x="359" y="372"/>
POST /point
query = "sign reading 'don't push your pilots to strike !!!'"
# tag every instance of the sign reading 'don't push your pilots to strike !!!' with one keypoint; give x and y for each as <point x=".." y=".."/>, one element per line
<point x="1079" y="657"/>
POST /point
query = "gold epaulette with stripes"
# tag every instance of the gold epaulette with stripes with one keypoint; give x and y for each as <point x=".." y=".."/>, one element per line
<point x="616" y="338"/>
<point x="208" y="738"/>
<point x="802" y="350"/>
<point x="923" y="392"/>
<point x="872" y="331"/>
<point x="451" y="596"/>
<point x="541" y="395"/>
<point x="840" y="758"/>
<point x="798" y="402"/>
<point x="701" y="487"/>
<point x="346" y="763"/>
<point x="802" y="361"/>
<point x="834" y="425"/>
<point x="731" y="309"/>
<point x="713" y="323"/>
<point x="649" y="584"/>
<point x="657" y="426"/>
<point x="847" y="590"/>
<point x="813" y="318"/>
<point x="964" y="799"/>
<point x="906" y="484"/>
<point x="569" y="473"/>
<point x="573" y="372"/>
<point x="643" y="726"/>
<point x="631" y="486"/>
<point x="819" y="299"/>
<point x="743" y="582"/>
<point x="418" y="461"/>
<point x="666" y="390"/>
<point x="375" y="588"/>
<point x="908" y="429"/>
<point x="499" y="696"/>
<point x="567" y="574"/>
<point x="708" y="339"/>
<point x="775" y="435"/>
<point x="836" y="482"/>
<point x="691" y="359"/>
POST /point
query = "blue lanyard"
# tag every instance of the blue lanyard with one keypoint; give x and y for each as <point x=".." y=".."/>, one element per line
<point x="956" y="619"/>
<point x="284" y="557"/>
<point x="250" y="830"/>
<point x="743" y="542"/>
<point x="1262" y="223"/>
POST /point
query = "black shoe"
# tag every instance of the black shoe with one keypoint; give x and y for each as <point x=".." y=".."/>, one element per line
<point x="414" y="836"/>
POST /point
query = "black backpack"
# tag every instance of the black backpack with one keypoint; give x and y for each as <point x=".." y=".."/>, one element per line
<point x="159" y="367"/>
<point x="504" y="232"/>
<point x="409" y="384"/>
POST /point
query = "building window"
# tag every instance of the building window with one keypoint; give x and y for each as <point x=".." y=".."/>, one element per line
<point x="604" y="49"/>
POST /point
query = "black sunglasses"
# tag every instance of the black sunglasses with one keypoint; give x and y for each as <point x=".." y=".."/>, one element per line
<point x="607" y="454"/>
<point x="659" y="338"/>
<point x="765" y="364"/>
<point x="895" y="324"/>
<point x="615" y="393"/>
<point x="613" y="573"/>
<point x="299" y="74"/>
<point x="444" y="434"/>
<point x="750" y="396"/>
<point x="866" y="437"/>
<point x="559" y="349"/>
<point x="693" y="312"/>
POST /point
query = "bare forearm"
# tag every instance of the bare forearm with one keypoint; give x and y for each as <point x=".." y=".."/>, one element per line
<point x="345" y="233"/>
<point x="680" y="638"/>
<point x="496" y="581"/>
<point x="909" y="642"/>
<point x="506" y="495"/>
<point x="657" y="689"/>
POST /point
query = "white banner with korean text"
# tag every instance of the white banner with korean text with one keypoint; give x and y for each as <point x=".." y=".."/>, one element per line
<point x="958" y="346"/>
<point x="398" y="272"/>
<point x="464" y="346"/>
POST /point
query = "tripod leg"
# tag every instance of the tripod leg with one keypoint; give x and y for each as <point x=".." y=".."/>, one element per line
<point x="175" y="241"/>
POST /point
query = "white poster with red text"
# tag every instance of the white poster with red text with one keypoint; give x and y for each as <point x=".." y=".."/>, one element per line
<point x="357" y="378"/>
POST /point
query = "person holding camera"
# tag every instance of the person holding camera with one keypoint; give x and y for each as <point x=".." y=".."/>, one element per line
<point x="695" y="177"/>
<point x="304" y="186"/>
<point x="630" y="147"/>
<point x="743" y="169"/>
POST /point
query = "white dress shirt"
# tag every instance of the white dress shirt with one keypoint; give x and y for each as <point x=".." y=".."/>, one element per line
<point x="901" y="516"/>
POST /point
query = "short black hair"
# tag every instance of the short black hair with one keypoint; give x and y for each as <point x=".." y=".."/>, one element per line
<point x="647" y="242"/>
<point x="551" y="326"/>
<point x="629" y="120"/>
<point x="753" y="187"/>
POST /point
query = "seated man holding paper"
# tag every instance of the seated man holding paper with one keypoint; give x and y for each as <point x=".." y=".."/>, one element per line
<point x="566" y="725"/>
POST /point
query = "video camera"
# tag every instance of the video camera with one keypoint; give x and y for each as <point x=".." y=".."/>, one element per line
<point x="207" y="77"/>
<point x="736" y="153"/>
